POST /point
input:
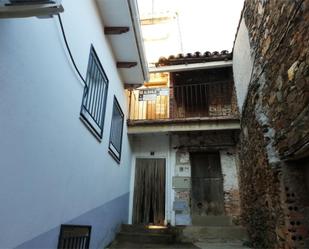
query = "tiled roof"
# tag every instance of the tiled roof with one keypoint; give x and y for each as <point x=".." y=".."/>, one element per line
<point x="196" y="57"/>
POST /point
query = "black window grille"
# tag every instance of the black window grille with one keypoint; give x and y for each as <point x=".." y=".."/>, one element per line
<point x="74" y="237"/>
<point x="95" y="94"/>
<point x="115" y="141"/>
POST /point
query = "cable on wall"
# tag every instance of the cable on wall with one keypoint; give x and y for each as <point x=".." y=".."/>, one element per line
<point x="69" y="50"/>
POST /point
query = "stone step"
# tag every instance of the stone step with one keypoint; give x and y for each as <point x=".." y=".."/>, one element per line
<point x="145" y="229"/>
<point x="221" y="245"/>
<point x="207" y="233"/>
<point x="131" y="245"/>
<point x="145" y="237"/>
<point x="212" y="220"/>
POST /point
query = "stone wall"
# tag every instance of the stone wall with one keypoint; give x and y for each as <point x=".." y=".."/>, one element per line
<point x="275" y="128"/>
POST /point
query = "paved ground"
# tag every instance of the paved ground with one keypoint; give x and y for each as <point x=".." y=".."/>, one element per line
<point x="131" y="245"/>
<point x="207" y="237"/>
<point x="220" y="245"/>
<point x="197" y="245"/>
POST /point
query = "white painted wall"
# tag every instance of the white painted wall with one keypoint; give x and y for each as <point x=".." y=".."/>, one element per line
<point x="142" y="146"/>
<point x="162" y="38"/>
<point x="52" y="168"/>
<point x="229" y="170"/>
<point x="242" y="63"/>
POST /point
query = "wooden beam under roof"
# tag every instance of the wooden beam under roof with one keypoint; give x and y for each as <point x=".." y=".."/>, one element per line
<point x="126" y="64"/>
<point x="115" y="30"/>
<point x="130" y="86"/>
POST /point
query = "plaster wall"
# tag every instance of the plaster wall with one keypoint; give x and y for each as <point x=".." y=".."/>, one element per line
<point x="242" y="63"/>
<point x="161" y="38"/>
<point x="53" y="169"/>
<point x="156" y="145"/>
<point x="230" y="182"/>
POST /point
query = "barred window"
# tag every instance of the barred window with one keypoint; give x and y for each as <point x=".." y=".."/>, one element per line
<point x="74" y="236"/>
<point x="115" y="141"/>
<point x="95" y="94"/>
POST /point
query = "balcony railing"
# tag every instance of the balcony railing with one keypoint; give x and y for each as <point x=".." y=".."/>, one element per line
<point x="215" y="99"/>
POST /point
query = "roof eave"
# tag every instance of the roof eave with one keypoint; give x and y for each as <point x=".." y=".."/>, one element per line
<point x="127" y="46"/>
<point x="191" y="67"/>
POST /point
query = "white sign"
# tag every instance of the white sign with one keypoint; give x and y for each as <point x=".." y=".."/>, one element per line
<point x="151" y="94"/>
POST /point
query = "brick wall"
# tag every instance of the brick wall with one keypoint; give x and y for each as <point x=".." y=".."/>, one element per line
<point x="275" y="129"/>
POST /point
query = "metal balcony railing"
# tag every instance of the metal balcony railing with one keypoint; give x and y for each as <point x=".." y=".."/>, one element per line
<point x="215" y="99"/>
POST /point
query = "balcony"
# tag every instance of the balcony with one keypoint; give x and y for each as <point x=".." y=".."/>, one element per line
<point x="209" y="103"/>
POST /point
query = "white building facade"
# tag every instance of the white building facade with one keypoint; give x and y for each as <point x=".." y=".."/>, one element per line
<point x="58" y="166"/>
<point x="70" y="163"/>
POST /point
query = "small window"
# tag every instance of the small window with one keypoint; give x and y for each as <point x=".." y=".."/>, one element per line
<point x="73" y="236"/>
<point x="115" y="140"/>
<point x="95" y="94"/>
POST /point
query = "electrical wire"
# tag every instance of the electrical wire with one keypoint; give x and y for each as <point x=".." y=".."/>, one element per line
<point x="69" y="50"/>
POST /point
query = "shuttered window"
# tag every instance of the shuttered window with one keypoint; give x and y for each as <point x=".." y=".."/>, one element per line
<point x="115" y="141"/>
<point x="95" y="94"/>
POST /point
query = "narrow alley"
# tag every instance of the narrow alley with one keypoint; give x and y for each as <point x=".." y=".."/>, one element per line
<point x="154" y="124"/>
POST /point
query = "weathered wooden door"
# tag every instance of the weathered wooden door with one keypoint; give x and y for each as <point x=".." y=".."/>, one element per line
<point x="149" y="192"/>
<point x="207" y="184"/>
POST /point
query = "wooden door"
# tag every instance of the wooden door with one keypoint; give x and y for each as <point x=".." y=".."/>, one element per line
<point x="149" y="192"/>
<point x="207" y="184"/>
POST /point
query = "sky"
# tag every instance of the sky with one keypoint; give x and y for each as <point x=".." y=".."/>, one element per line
<point x="206" y="25"/>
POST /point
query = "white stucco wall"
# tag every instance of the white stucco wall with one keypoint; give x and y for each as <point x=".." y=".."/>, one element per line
<point x="242" y="63"/>
<point x="52" y="168"/>
<point x="230" y="182"/>
<point x="142" y="146"/>
<point x="229" y="170"/>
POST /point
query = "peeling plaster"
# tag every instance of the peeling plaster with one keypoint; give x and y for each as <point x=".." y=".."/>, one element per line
<point x="263" y="120"/>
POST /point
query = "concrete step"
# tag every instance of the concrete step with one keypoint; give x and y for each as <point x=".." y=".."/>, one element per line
<point x="221" y="245"/>
<point x="208" y="233"/>
<point x="131" y="245"/>
<point x="145" y="229"/>
<point x="212" y="220"/>
<point x="145" y="237"/>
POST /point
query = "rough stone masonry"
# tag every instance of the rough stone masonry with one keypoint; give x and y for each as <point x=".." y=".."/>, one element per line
<point x="274" y="140"/>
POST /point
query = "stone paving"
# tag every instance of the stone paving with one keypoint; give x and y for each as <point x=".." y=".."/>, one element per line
<point x="220" y="245"/>
<point x="197" y="245"/>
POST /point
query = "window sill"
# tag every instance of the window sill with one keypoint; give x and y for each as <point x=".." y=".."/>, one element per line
<point x="114" y="156"/>
<point x="94" y="133"/>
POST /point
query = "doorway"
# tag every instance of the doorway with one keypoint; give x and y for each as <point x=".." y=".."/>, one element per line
<point x="149" y="191"/>
<point x="207" y="198"/>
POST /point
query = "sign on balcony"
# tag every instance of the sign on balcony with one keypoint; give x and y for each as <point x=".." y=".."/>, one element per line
<point x="151" y="94"/>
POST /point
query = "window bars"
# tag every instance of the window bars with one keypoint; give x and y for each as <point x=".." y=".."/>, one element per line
<point x="74" y="237"/>
<point x="95" y="94"/>
<point x="115" y="140"/>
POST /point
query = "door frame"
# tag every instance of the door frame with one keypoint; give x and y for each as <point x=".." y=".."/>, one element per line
<point x="132" y="183"/>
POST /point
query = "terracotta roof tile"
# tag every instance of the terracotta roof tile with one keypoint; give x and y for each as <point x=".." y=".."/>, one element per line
<point x="196" y="57"/>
